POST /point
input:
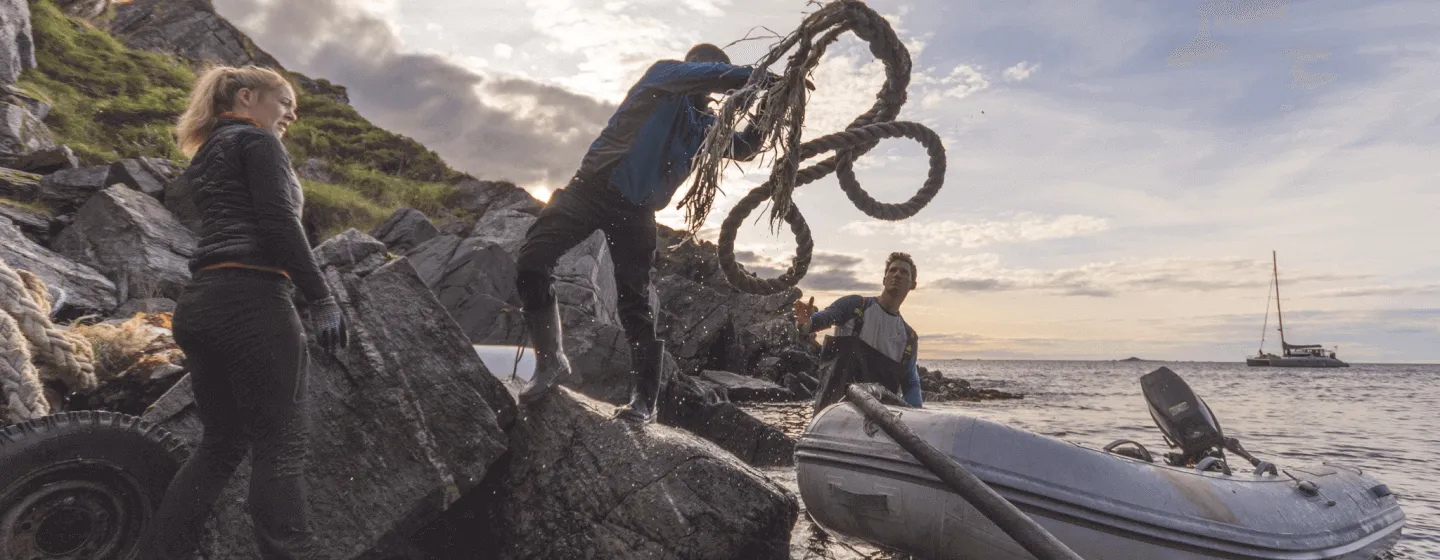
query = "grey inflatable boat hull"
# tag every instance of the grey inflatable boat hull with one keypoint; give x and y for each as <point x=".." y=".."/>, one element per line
<point x="856" y="481"/>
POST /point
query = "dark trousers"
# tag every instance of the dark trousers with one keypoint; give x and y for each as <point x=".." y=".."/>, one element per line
<point x="245" y="348"/>
<point x="573" y="214"/>
<point x="847" y="359"/>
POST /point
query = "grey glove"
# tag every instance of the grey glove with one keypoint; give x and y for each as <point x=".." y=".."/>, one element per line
<point x="330" y="329"/>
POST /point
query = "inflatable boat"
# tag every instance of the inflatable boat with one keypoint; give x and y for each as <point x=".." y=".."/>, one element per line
<point x="1116" y="503"/>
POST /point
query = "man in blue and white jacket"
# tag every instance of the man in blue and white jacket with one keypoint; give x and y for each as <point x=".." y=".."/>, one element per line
<point x="631" y="171"/>
<point x="880" y="346"/>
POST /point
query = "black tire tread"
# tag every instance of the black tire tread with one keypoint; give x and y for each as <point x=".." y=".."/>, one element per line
<point x="61" y="423"/>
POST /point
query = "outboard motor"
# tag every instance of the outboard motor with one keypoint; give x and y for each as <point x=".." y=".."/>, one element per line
<point x="1184" y="418"/>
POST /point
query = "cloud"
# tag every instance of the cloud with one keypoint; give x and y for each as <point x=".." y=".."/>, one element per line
<point x="962" y="81"/>
<point x="1020" y="72"/>
<point x="1383" y="290"/>
<point x="490" y="126"/>
<point x="1112" y="278"/>
<point x="829" y="272"/>
<point x="1023" y="228"/>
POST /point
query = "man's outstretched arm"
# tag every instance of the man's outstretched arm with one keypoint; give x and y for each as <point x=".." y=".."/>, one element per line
<point x="696" y="77"/>
<point x="842" y="308"/>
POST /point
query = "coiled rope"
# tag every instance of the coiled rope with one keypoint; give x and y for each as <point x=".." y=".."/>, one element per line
<point x="780" y="116"/>
<point x="49" y="351"/>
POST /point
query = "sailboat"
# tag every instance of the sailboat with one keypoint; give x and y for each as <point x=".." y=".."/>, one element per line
<point x="1294" y="355"/>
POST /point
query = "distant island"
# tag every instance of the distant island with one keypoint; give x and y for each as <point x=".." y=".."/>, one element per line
<point x="1134" y="359"/>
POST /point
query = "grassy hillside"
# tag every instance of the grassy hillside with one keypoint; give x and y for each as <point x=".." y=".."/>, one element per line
<point x="112" y="102"/>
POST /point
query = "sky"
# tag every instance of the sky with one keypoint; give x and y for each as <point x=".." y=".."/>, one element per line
<point x="1118" y="172"/>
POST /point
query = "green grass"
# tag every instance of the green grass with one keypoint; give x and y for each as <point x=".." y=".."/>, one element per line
<point x="31" y="207"/>
<point x="334" y="208"/>
<point x="333" y="131"/>
<point x="112" y="102"/>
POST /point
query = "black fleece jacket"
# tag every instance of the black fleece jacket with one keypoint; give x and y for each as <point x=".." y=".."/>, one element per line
<point x="249" y="202"/>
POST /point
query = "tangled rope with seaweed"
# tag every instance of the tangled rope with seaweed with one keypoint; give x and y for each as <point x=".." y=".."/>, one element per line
<point x="780" y="115"/>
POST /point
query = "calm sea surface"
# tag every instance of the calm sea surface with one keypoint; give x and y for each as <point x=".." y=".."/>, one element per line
<point x="1381" y="418"/>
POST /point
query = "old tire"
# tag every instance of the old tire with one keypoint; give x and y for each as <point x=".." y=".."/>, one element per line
<point x="82" y="484"/>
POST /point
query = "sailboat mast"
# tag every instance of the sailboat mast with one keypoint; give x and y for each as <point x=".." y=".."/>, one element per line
<point x="1279" y="315"/>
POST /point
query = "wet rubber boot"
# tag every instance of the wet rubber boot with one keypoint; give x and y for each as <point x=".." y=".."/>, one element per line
<point x="551" y="366"/>
<point x="647" y="360"/>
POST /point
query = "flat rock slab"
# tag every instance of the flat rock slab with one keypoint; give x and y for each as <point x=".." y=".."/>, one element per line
<point x="739" y="388"/>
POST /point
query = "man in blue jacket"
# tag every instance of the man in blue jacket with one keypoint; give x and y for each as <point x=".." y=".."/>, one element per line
<point x="631" y="171"/>
<point x="872" y="342"/>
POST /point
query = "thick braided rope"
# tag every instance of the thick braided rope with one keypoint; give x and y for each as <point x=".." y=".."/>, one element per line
<point x="57" y="354"/>
<point x="22" y="396"/>
<point x="860" y="136"/>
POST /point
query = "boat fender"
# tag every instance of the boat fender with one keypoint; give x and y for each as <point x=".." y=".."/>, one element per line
<point x="1380" y="490"/>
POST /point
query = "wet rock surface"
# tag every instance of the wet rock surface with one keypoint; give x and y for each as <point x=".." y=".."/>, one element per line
<point x="579" y="484"/>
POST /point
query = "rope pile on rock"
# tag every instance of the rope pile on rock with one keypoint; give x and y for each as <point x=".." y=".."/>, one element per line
<point x="33" y="349"/>
<point x="780" y="115"/>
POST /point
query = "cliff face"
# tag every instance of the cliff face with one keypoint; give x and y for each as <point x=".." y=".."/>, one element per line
<point x="186" y="28"/>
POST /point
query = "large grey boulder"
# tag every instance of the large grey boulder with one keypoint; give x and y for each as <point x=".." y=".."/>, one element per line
<point x="585" y="280"/>
<point x="483" y="197"/>
<point x="404" y="421"/>
<point x="405" y="229"/>
<point x="131" y="238"/>
<point x="19" y="185"/>
<point x="137" y="175"/>
<point x="579" y="484"/>
<point x="32" y="223"/>
<point x="48" y="160"/>
<point x="708" y="328"/>
<point x="75" y="289"/>
<point x="505" y="228"/>
<point x="431" y="258"/>
<point x="188" y="28"/>
<point x="477" y="286"/>
<point x="474" y="278"/>
<point x="17" y="46"/>
<point x="68" y="189"/>
<point x="21" y="134"/>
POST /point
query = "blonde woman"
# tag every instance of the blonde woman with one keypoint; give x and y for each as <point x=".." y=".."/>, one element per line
<point x="242" y="337"/>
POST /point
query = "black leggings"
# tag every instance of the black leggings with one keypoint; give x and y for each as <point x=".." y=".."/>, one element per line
<point x="245" y="348"/>
<point x="573" y="214"/>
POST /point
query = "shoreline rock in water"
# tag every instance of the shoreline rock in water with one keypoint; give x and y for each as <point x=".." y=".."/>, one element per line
<point x="936" y="387"/>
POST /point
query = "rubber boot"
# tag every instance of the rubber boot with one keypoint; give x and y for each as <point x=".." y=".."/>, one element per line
<point x="550" y="364"/>
<point x="647" y="360"/>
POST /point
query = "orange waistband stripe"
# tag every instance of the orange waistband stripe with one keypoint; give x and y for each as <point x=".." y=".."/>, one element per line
<point x="231" y="264"/>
